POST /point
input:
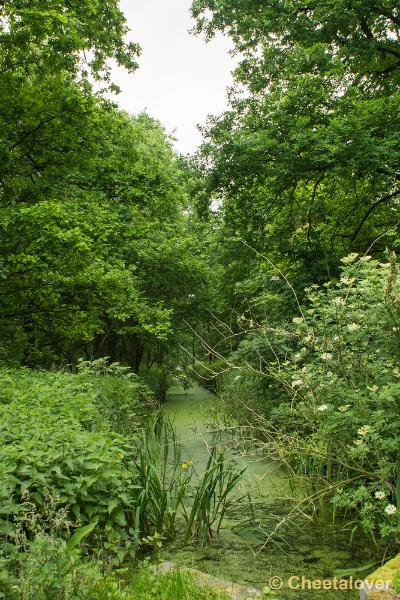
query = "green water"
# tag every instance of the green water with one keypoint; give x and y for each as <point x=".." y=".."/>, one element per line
<point x="306" y="549"/>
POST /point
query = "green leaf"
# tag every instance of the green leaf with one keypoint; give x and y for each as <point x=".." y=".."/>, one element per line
<point x="80" y="534"/>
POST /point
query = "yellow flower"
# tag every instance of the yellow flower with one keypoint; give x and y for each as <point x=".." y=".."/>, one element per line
<point x="184" y="465"/>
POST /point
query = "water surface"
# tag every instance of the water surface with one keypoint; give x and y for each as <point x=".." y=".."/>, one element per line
<point x="303" y="549"/>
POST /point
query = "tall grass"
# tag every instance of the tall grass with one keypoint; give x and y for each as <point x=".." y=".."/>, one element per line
<point x="163" y="483"/>
<point x="48" y="570"/>
<point x="212" y="497"/>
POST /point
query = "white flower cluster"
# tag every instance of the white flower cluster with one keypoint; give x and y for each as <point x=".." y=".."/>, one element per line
<point x="297" y="383"/>
<point x="298" y="320"/>
<point x="379" y="495"/>
<point x="339" y="301"/>
<point x="322" y="407"/>
<point x="390" y="509"/>
<point x="347" y="280"/>
<point x="353" y="326"/>
<point x="346" y="260"/>
<point x="364" y="430"/>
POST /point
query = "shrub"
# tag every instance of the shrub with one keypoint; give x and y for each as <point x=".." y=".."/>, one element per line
<point x="155" y="378"/>
<point x="55" y="436"/>
<point x="338" y="420"/>
<point x="210" y="374"/>
<point x="121" y="396"/>
<point x="49" y="571"/>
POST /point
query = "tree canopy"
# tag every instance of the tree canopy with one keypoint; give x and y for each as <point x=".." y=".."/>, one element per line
<point x="307" y="157"/>
<point x="92" y="199"/>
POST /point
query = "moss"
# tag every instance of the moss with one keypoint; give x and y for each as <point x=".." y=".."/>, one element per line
<point x="387" y="572"/>
<point x="396" y="581"/>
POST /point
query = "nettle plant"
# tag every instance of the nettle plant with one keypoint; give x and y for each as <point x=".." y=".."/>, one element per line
<point x="340" y="372"/>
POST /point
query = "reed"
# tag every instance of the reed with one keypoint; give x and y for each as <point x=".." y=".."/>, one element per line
<point x="213" y="496"/>
<point x="164" y="487"/>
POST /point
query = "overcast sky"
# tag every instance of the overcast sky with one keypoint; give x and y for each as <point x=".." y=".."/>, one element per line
<point x="181" y="79"/>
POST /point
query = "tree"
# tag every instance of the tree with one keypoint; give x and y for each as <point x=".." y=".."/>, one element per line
<point x="307" y="158"/>
<point x="89" y="195"/>
<point x="68" y="35"/>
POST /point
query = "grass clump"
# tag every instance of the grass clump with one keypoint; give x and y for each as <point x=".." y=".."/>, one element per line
<point x="396" y="582"/>
<point x="47" y="570"/>
<point x="212" y="497"/>
<point x="170" y="488"/>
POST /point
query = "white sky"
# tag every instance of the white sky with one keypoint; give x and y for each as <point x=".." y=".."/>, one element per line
<point x="181" y="78"/>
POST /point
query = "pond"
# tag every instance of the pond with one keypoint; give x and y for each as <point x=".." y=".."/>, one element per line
<point x="305" y="549"/>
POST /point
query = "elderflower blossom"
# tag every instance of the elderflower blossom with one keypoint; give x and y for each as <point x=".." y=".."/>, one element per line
<point x="326" y="356"/>
<point x="322" y="407"/>
<point x="353" y="326"/>
<point x="390" y="509"/>
<point x="297" y="383"/>
<point x="346" y="260"/>
<point x="339" y="301"/>
<point x="344" y="407"/>
<point x="347" y="280"/>
<point x="373" y="388"/>
<point x="364" y="430"/>
<point x="365" y="258"/>
<point x="298" y="320"/>
<point x="379" y="495"/>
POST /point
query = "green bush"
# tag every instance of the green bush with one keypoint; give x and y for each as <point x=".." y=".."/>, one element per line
<point x="121" y="396"/>
<point x="338" y="416"/>
<point x="47" y="570"/>
<point x="55" y="435"/>
<point x="156" y="379"/>
<point x="240" y="392"/>
<point x="210" y="374"/>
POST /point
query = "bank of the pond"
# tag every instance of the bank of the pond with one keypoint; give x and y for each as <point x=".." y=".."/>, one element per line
<point x="309" y="550"/>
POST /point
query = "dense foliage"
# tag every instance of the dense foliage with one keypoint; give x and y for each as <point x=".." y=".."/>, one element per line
<point x="328" y="395"/>
<point x="92" y="199"/>
<point x="307" y="157"/>
<point x="125" y="268"/>
<point x="58" y="446"/>
<point x="304" y="168"/>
